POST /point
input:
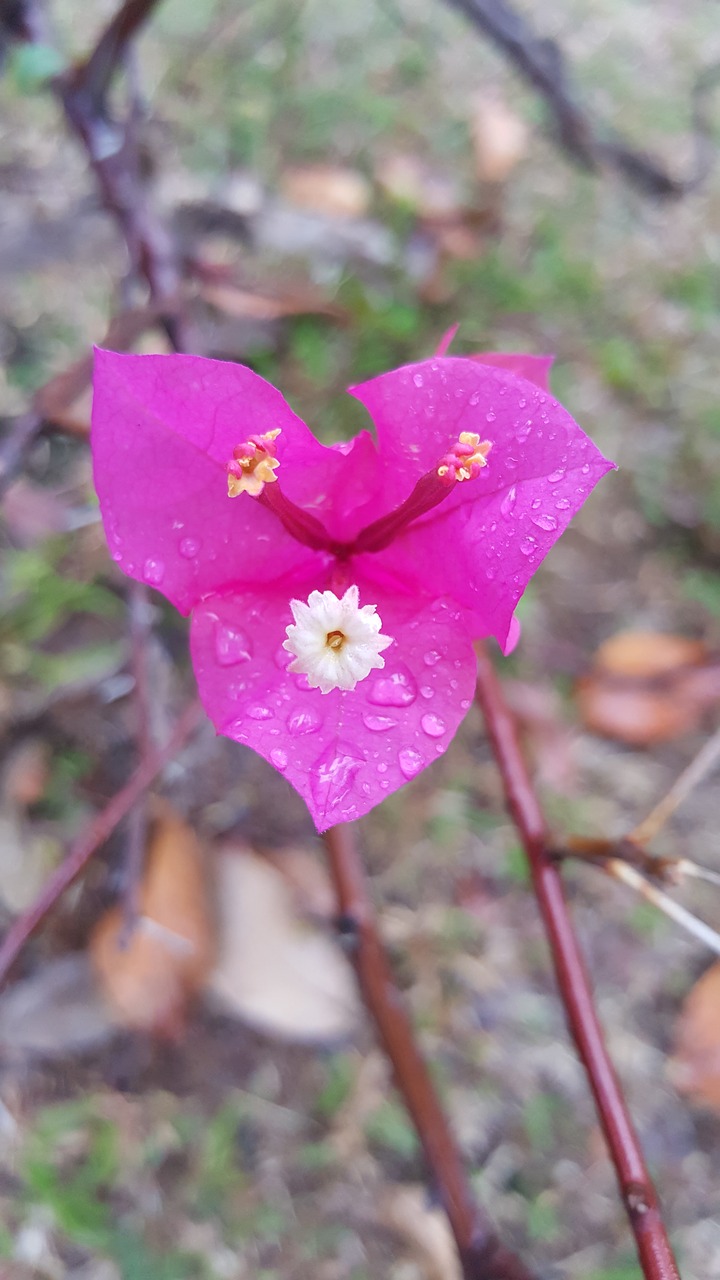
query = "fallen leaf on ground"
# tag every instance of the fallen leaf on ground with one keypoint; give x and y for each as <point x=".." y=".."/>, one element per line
<point x="343" y="193"/>
<point x="499" y="136"/>
<point x="695" y="1066"/>
<point x="408" y="1212"/>
<point x="150" y="981"/>
<point x="276" y="970"/>
<point x="248" y="304"/>
<point x="648" y="687"/>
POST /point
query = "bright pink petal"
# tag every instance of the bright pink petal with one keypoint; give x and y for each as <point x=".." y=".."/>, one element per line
<point x="163" y="429"/>
<point x="535" y="368"/>
<point x="482" y="544"/>
<point x="342" y="751"/>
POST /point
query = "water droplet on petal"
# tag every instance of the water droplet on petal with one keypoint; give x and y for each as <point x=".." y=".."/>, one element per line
<point x="303" y="720"/>
<point x="507" y="505"/>
<point x="189" y="548"/>
<point x="410" y="761"/>
<point x="426" y="691"/>
<point x="259" y="712"/>
<point x="562" y="504"/>
<point x="418" y="379"/>
<point x="490" y="416"/>
<point x="395" y="689"/>
<point x="528" y="546"/>
<point x="279" y="759"/>
<point x="546" y="522"/>
<point x="382" y="768"/>
<point x="464" y="705"/>
<point x="332" y="774"/>
<point x="556" y="475"/>
<point x="433" y="726"/>
<point x="153" y="571"/>
<point x="231" y="645"/>
<point x="431" y="658"/>
<point x="379" y="724"/>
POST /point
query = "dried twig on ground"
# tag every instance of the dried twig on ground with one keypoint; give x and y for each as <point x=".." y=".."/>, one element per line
<point x="98" y="830"/>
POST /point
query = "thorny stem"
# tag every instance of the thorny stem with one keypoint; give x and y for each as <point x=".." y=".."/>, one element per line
<point x="98" y="830"/>
<point x="483" y="1256"/>
<point x="636" y="1188"/>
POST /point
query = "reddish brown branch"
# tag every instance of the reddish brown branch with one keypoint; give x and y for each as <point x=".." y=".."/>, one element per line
<point x="483" y="1256"/>
<point x="636" y="1188"/>
<point x="95" y="834"/>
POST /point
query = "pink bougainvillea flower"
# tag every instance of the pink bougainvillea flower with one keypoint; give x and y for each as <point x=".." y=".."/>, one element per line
<point x="336" y="591"/>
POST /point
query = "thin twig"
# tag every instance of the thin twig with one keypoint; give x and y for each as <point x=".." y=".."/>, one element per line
<point x="483" y="1256"/>
<point x="95" y="834"/>
<point x="698" y="769"/>
<point x="630" y="876"/>
<point x="636" y="1188"/>
<point x="542" y="63"/>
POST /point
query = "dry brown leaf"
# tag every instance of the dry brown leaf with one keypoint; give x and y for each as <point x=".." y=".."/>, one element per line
<point x="648" y="687"/>
<point x="275" y="970"/>
<point x="150" y="981"/>
<point x="246" y="304"/>
<point x="499" y="137"/>
<point x="406" y="1210"/>
<point x="330" y="189"/>
<point x="647" y="653"/>
<point x="695" y="1067"/>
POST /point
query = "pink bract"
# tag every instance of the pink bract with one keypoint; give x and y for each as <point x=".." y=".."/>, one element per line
<point x="164" y="429"/>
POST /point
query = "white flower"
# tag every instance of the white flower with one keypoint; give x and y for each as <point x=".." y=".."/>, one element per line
<point x="334" y="641"/>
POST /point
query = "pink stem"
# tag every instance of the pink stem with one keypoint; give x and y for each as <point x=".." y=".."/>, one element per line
<point x="636" y="1189"/>
<point x="482" y="1255"/>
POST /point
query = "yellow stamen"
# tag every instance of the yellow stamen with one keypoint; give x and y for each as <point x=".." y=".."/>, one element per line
<point x="250" y="472"/>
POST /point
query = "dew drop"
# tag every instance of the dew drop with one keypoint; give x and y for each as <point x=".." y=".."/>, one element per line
<point x="528" y="546"/>
<point x="433" y="726"/>
<point x="332" y="774"/>
<point x="398" y="689"/>
<point x="259" y="712"/>
<point x="278" y="758"/>
<point x="431" y="658"/>
<point x="410" y="761"/>
<point x="189" y="548"/>
<point x="303" y="720"/>
<point x="382" y="768"/>
<point x="546" y="522"/>
<point x="556" y="475"/>
<point x="535" y="503"/>
<point x="231" y="645"/>
<point x="153" y="571"/>
<point x="562" y="504"/>
<point x="426" y="691"/>
<point x="490" y="416"/>
<point x="507" y="506"/>
<point x="465" y="704"/>
<point x="585" y="469"/>
<point x="379" y="724"/>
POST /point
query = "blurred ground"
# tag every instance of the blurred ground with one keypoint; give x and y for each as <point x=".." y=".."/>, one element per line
<point x="233" y="1154"/>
